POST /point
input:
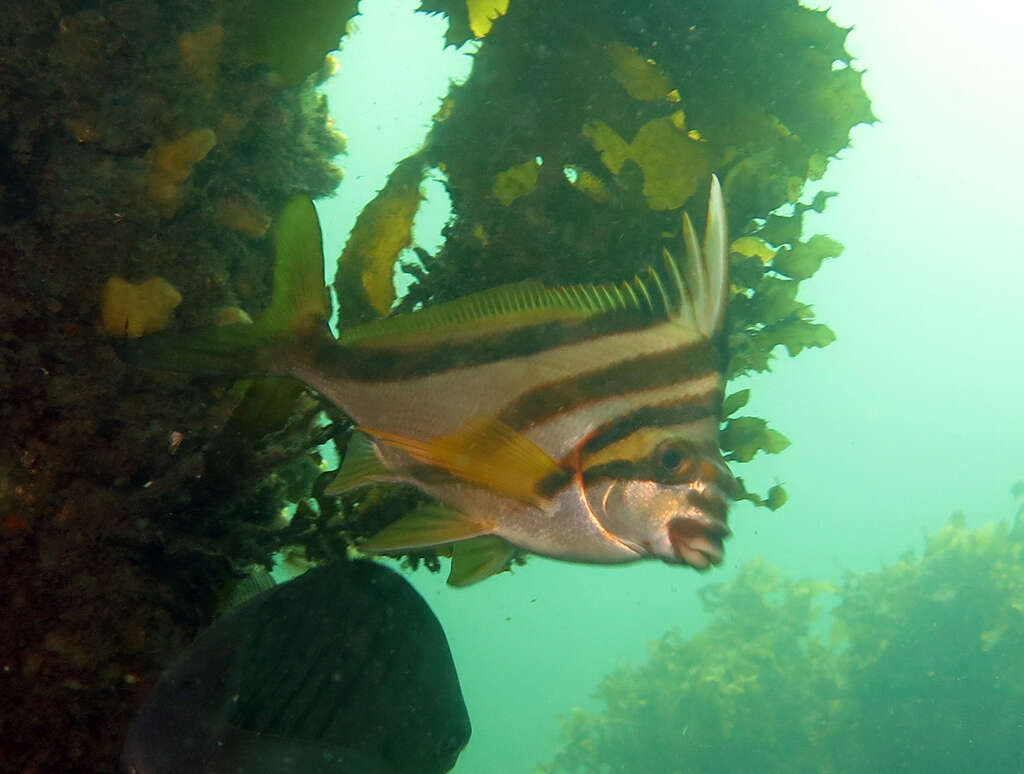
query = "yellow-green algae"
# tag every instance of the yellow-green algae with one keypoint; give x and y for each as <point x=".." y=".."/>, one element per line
<point x="366" y="266"/>
<point x="131" y="310"/>
<point x="916" y="667"/>
<point x="467" y="19"/>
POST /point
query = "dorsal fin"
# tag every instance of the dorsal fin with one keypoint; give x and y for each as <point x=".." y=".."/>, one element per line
<point x="511" y="307"/>
<point x="707" y="269"/>
<point x="694" y="295"/>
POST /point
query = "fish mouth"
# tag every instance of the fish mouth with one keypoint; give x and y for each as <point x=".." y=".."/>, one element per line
<point x="698" y="541"/>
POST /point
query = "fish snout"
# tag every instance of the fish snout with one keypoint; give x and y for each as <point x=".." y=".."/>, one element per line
<point x="697" y="540"/>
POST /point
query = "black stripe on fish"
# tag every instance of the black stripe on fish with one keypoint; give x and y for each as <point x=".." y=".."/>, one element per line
<point x="391" y="363"/>
<point x="651" y="470"/>
<point x="645" y="372"/>
<point x="706" y="404"/>
<point x="675" y="459"/>
<point x="545" y="488"/>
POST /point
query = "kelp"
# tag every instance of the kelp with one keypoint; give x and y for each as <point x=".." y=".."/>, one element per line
<point x="291" y="39"/>
<point x="467" y="19"/>
<point x="700" y="703"/>
<point x="647" y="106"/>
<point x="916" y="667"/>
<point x="364" y="282"/>
<point x="931" y="667"/>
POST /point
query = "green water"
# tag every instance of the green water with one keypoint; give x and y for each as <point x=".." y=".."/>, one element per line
<point x="915" y="411"/>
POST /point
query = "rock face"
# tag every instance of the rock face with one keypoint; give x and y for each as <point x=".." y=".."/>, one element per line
<point x="139" y="167"/>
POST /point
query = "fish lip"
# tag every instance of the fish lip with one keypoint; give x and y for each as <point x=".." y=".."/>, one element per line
<point x="697" y="541"/>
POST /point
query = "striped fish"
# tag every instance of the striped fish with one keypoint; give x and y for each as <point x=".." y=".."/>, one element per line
<point x="576" y="422"/>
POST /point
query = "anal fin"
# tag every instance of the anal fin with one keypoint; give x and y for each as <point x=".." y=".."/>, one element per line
<point x="480" y="558"/>
<point x="428" y="524"/>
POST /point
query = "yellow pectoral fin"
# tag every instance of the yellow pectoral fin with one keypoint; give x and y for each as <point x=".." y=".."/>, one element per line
<point x="480" y="558"/>
<point x="428" y="524"/>
<point x="486" y="452"/>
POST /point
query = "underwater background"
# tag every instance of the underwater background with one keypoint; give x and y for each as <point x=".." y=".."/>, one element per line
<point x="869" y="613"/>
<point x="914" y="412"/>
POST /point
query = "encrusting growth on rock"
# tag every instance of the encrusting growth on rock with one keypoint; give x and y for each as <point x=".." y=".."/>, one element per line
<point x="130" y="311"/>
<point x="171" y="164"/>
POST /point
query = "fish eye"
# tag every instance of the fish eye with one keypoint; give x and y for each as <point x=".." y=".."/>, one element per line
<point x="672" y="457"/>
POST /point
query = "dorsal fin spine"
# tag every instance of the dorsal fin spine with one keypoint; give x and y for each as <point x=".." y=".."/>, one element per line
<point x="716" y="256"/>
<point x="620" y="298"/>
<point x="662" y="295"/>
<point x="676" y="280"/>
<point x="642" y="287"/>
<point x="627" y="287"/>
<point x="696" y="273"/>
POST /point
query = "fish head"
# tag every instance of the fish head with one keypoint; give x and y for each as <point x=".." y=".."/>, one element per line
<point x="670" y="503"/>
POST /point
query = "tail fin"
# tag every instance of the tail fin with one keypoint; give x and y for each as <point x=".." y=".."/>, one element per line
<point x="300" y="303"/>
<point x="299" y="308"/>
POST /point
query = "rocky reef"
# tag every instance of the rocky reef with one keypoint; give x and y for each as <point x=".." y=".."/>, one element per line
<point x="144" y="149"/>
